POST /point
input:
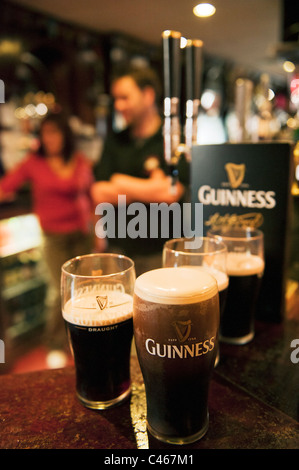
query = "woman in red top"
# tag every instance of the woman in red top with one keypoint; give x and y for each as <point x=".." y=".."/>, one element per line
<point x="60" y="181"/>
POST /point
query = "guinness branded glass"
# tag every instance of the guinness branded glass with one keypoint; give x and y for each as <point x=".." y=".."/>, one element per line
<point x="176" y="320"/>
<point x="245" y="267"/>
<point x="208" y="254"/>
<point x="97" y="303"/>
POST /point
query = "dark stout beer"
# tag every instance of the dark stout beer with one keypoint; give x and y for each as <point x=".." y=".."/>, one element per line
<point x="245" y="274"/>
<point x="176" y="319"/>
<point x="222" y="282"/>
<point x="100" y="331"/>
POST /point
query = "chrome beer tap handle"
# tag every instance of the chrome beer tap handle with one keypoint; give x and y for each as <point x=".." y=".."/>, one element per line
<point x="174" y="149"/>
<point x="194" y="59"/>
<point x="172" y="85"/>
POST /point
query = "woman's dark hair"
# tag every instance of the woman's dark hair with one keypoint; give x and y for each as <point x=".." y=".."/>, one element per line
<point x="61" y="122"/>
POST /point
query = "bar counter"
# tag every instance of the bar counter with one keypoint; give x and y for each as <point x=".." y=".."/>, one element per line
<point x="253" y="403"/>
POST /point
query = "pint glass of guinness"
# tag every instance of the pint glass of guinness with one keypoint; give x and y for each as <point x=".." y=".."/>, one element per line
<point x="176" y="320"/>
<point x="245" y="268"/>
<point x="97" y="305"/>
<point x="208" y="254"/>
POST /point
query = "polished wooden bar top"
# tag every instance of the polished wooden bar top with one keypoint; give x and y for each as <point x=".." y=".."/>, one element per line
<point x="253" y="401"/>
<point x="39" y="410"/>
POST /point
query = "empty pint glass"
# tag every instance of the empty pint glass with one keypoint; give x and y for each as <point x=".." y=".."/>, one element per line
<point x="97" y="304"/>
<point x="176" y="320"/>
<point x="245" y="268"/>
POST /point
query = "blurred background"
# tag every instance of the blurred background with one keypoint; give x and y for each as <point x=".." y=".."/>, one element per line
<point x="62" y="54"/>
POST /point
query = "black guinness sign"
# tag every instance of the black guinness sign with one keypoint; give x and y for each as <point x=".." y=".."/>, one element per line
<point x="249" y="184"/>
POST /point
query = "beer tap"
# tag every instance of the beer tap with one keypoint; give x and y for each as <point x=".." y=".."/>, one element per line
<point x="172" y="82"/>
<point x="194" y="58"/>
<point x="173" y="147"/>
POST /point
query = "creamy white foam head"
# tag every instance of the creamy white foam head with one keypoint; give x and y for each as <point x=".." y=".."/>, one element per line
<point x="244" y="264"/>
<point x="220" y="276"/>
<point x="176" y="286"/>
<point x="98" y="309"/>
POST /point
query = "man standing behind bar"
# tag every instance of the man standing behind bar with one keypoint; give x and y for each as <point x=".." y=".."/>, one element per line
<point x="132" y="162"/>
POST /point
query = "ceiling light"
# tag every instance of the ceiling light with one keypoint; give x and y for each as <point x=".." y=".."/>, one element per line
<point x="203" y="10"/>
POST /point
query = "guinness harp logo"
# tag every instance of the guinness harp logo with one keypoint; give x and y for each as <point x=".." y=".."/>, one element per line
<point x="183" y="329"/>
<point x="235" y="174"/>
<point x="102" y="301"/>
